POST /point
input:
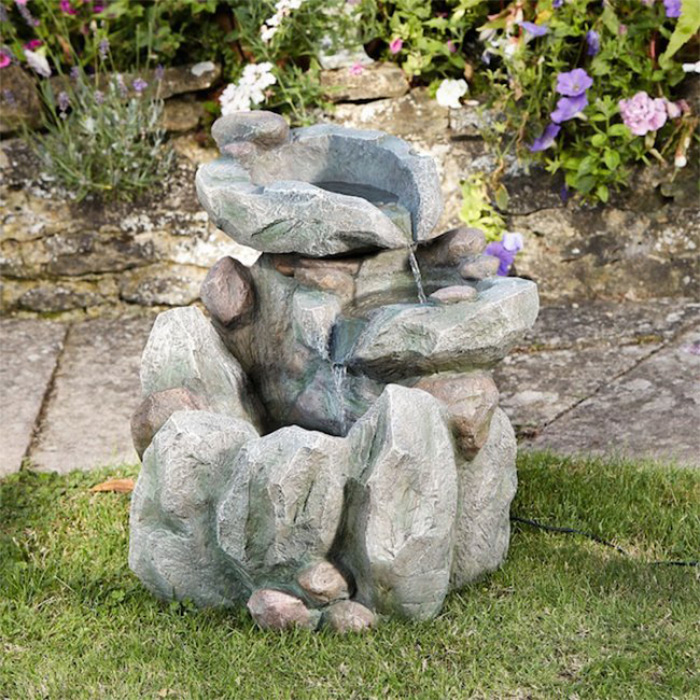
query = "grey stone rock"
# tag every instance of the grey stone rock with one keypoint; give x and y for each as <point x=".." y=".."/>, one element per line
<point x="227" y="291"/>
<point x="326" y="190"/>
<point x="276" y="610"/>
<point x="452" y="247"/>
<point x="154" y="411"/>
<point x="471" y="400"/>
<point x="264" y="129"/>
<point x="184" y="350"/>
<point x="397" y="532"/>
<point x="487" y="485"/>
<point x="29" y="353"/>
<point x="172" y="547"/>
<point x="479" y="267"/>
<point x="283" y="504"/>
<point x="401" y="341"/>
<point x="323" y="583"/>
<point x="349" y="616"/>
<point x="454" y="294"/>
<point x="375" y="81"/>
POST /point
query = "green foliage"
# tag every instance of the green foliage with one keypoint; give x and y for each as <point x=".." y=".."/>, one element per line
<point x="595" y="150"/>
<point x="477" y="210"/>
<point x="564" y="617"/>
<point x="433" y="33"/>
<point x="687" y="26"/>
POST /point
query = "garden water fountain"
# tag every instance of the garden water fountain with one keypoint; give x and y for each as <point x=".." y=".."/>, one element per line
<point x="327" y="444"/>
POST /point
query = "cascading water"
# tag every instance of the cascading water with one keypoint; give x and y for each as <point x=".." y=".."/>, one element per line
<point x="416" y="274"/>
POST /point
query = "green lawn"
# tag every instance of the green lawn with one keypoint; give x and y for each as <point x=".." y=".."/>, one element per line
<point x="565" y="617"/>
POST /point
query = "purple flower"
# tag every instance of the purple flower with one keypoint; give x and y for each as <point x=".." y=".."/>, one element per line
<point x="542" y="143"/>
<point x="4" y="17"/>
<point x="568" y="108"/>
<point x="642" y="114"/>
<point x="557" y="4"/>
<point x="593" y="41"/>
<point x="574" y="83"/>
<point x="103" y="48"/>
<point x="75" y="73"/>
<point x="505" y="250"/>
<point x="159" y="72"/>
<point x="121" y="85"/>
<point x="564" y="194"/>
<point x="99" y="97"/>
<point x="63" y="100"/>
<point x="534" y="29"/>
<point x="139" y="85"/>
<point x="673" y="8"/>
<point x="67" y="8"/>
<point x="26" y="14"/>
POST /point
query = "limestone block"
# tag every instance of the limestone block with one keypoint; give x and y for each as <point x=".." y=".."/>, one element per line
<point x="372" y="83"/>
<point x="397" y="532"/>
<point x="184" y="350"/>
<point x="454" y="294"/>
<point x="172" y="540"/>
<point x="487" y="485"/>
<point x="283" y="504"/>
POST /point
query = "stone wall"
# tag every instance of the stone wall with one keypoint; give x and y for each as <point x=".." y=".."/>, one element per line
<point x="61" y="258"/>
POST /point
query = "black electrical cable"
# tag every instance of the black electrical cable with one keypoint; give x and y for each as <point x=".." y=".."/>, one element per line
<point x="595" y="538"/>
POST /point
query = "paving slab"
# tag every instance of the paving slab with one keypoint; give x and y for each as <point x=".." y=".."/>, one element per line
<point x="651" y="411"/>
<point x="610" y="323"/>
<point x="96" y="389"/>
<point x="29" y="351"/>
<point x="537" y="387"/>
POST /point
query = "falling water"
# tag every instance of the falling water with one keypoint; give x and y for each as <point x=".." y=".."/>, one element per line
<point x="416" y="274"/>
<point x="340" y="372"/>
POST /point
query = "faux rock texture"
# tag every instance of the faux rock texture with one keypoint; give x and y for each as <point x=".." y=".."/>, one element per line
<point x="155" y="410"/>
<point x="349" y="616"/>
<point x="487" y="485"/>
<point x="184" y="350"/>
<point x="362" y="495"/>
<point x="276" y="610"/>
<point x="184" y="471"/>
<point x="397" y="533"/>
<point x="374" y="82"/>
<point x="322" y="191"/>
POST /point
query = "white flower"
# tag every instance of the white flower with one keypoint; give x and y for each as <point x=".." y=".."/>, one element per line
<point x="89" y="125"/>
<point x="250" y="89"/>
<point x="266" y="33"/>
<point x="513" y="241"/>
<point x="38" y="63"/>
<point x="692" y="67"/>
<point x="450" y="91"/>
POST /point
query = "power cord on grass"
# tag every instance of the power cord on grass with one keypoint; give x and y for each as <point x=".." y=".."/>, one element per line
<point x="595" y="538"/>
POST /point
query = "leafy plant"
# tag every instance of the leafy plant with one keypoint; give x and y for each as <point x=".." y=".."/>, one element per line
<point x="620" y="112"/>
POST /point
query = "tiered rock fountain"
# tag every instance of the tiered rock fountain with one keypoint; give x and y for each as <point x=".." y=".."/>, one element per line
<point x="327" y="445"/>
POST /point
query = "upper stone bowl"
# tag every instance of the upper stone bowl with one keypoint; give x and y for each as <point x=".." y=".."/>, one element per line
<point x="319" y="190"/>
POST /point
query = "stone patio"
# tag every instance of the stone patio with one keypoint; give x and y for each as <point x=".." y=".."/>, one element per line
<point x="602" y="378"/>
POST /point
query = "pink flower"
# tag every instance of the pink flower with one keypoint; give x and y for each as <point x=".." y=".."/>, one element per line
<point x="4" y="60"/>
<point x="356" y="68"/>
<point x="642" y="114"/>
<point x="20" y="2"/>
<point x="673" y="109"/>
<point x="451" y="46"/>
<point x="33" y="44"/>
<point x="67" y="7"/>
<point x="395" y="45"/>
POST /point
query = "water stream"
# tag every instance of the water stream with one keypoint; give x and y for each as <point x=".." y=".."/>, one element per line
<point x="340" y="373"/>
<point x="416" y="274"/>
